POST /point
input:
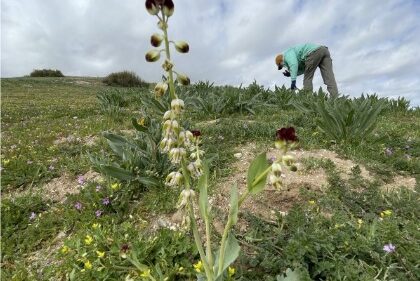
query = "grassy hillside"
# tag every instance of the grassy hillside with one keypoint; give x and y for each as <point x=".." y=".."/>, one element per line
<point x="65" y="218"/>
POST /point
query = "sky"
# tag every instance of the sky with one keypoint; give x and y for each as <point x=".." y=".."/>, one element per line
<point x="374" y="44"/>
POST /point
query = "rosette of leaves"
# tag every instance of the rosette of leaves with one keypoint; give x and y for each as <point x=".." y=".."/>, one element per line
<point x="135" y="159"/>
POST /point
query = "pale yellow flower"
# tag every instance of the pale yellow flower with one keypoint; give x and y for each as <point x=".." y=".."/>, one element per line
<point x="88" y="265"/>
<point x="145" y="273"/>
<point x="115" y="186"/>
<point x="386" y="213"/>
<point x="198" y="266"/>
<point x="100" y="254"/>
<point x="96" y="225"/>
<point x="231" y="271"/>
<point x="6" y="161"/>
<point x="311" y="202"/>
<point x="88" y="240"/>
<point x="64" y="249"/>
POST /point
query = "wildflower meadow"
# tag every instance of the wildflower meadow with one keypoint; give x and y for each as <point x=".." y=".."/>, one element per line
<point x="179" y="181"/>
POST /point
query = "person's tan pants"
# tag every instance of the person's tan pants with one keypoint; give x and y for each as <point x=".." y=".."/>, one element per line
<point x="320" y="58"/>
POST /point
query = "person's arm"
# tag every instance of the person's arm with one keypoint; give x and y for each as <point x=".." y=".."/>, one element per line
<point x="292" y="63"/>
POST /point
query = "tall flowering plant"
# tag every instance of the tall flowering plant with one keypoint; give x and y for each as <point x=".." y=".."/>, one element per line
<point x="191" y="173"/>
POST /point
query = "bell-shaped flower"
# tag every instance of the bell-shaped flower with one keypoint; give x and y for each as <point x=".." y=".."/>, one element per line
<point x="182" y="46"/>
<point x="174" y="179"/>
<point x="156" y="39"/>
<point x="177" y="106"/>
<point x="183" y="79"/>
<point x="152" y="56"/>
<point x="161" y="88"/>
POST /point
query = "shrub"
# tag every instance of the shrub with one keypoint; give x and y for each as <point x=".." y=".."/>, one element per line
<point x="124" y="79"/>
<point x="46" y="73"/>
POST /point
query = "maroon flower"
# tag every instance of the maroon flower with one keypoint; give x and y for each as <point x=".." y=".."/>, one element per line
<point x="286" y="134"/>
<point x="124" y="248"/>
<point x="196" y="133"/>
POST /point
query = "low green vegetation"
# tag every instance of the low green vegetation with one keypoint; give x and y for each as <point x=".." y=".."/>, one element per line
<point x="46" y="73"/>
<point x="124" y="79"/>
<point x="113" y="224"/>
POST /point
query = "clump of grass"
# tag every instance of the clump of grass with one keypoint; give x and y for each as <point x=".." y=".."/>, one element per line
<point x="46" y="73"/>
<point x="124" y="79"/>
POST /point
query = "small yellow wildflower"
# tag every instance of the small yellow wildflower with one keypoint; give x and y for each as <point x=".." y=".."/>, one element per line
<point x="386" y="213"/>
<point x="231" y="271"/>
<point x="6" y="161"/>
<point x="100" y="254"/>
<point x="141" y="121"/>
<point x="96" y="225"/>
<point x="115" y="186"/>
<point x="64" y="249"/>
<point x="145" y="273"/>
<point x="311" y="202"/>
<point x="338" y="225"/>
<point x="181" y="269"/>
<point x="88" y="265"/>
<point x="359" y="223"/>
<point x="198" y="266"/>
<point x="88" y="240"/>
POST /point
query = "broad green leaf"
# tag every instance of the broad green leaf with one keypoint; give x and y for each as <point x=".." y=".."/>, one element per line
<point x="291" y="275"/>
<point x="148" y="182"/>
<point x="202" y="187"/>
<point x="234" y="197"/>
<point x="231" y="253"/>
<point x="117" y="172"/>
<point x="257" y="167"/>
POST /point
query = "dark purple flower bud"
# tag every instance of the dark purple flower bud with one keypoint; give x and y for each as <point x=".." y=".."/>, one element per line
<point x="156" y="40"/>
<point x="182" y="46"/>
<point x="124" y="248"/>
<point x="196" y="133"/>
<point x="183" y="79"/>
<point x="286" y="134"/>
<point x="168" y="8"/>
<point x="152" y="7"/>
<point x="152" y="56"/>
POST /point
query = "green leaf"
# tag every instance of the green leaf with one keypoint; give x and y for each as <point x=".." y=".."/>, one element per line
<point x="232" y="250"/>
<point x="202" y="187"/>
<point x="257" y="167"/>
<point x="291" y="275"/>
<point x="117" y="172"/>
<point x="234" y="197"/>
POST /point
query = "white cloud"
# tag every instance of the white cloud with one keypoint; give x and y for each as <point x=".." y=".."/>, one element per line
<point x="374" y="43"/>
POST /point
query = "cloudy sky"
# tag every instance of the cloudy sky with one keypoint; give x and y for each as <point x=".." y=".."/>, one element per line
<point x="375" y="44"/>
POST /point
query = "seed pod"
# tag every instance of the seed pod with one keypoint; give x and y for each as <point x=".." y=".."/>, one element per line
<point x="151" y="7"/>
<point x="152" y="55"/>
<point x="168" y="8"/>
<point x="156" y="40"/>
<point x="183" y="79"/>
<point x="182" y="46"/>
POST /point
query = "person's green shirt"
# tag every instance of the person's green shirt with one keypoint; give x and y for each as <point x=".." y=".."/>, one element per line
<point x="294" y="58"/>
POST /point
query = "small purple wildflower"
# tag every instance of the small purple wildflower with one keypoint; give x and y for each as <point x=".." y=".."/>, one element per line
<point x="78" y="205"/>
<point x="81" y="180"/>
<point x="389" y="248"/>
<point x="98" y="213"/>
<point x="271" y="160"/>
<point x="388" y="151"/>
<point x="106" y="201"/>
<point x="32" y="216"/>
<point x="98" y="188"/>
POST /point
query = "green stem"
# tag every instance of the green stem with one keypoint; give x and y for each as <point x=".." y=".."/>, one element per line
<point x="207" y="269"/>
<point x="168" y="57"/>
<point x="197" y="239"/>
<point x="223" y="245"/>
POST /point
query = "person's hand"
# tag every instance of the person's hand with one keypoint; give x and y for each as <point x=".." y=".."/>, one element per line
<point x="286" y="73"/>
<point x="293" y="86"/>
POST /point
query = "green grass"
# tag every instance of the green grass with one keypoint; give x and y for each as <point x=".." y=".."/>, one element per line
<point x="39" y="113"/>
